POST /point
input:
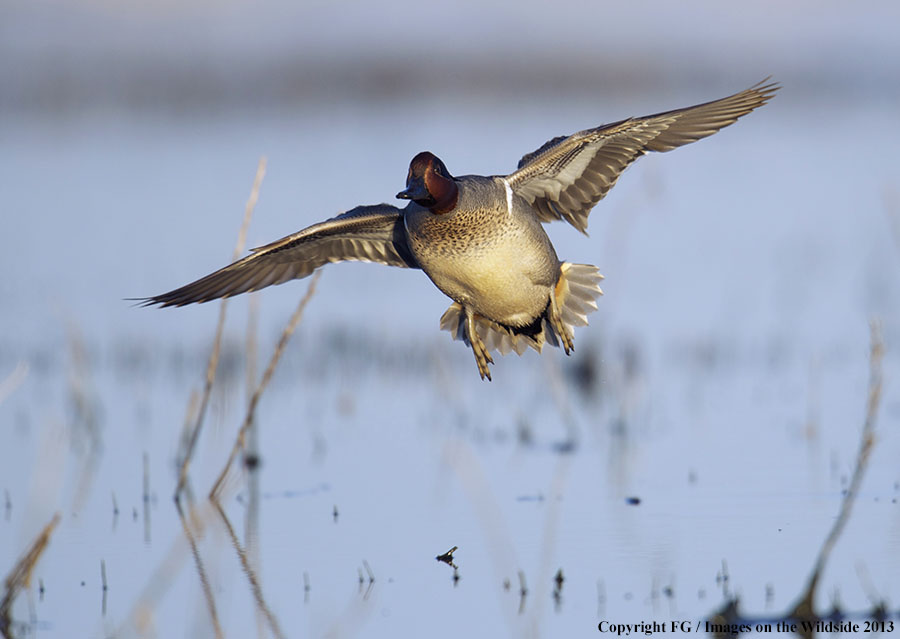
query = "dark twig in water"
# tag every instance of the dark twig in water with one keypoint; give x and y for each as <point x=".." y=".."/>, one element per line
<point x="447" y="557"/>
<point x="20" y="576"/>
<point x="104" y="586"/>
<point x="558" y="581"/>
<point x="523" y="591"/>
<point x="369" y="571"/>
<point x="115" y="506"/>
<point x="371" y="580"/>
<point x="240" y="442"/>
<point x="146" y="498"/>
<point x="722" y="578"/>
<point x="213" y="363"/>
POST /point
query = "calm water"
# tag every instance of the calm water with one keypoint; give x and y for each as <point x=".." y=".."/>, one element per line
<point x="722" y="382"/>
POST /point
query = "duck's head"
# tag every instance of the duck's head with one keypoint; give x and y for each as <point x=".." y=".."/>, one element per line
<point x="429" y="184"/>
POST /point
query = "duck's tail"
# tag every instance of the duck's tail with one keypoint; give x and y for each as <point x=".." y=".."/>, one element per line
<point x="574" y="297"/>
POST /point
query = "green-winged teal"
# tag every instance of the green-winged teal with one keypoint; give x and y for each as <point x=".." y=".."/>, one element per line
<point x="480" y="239"/>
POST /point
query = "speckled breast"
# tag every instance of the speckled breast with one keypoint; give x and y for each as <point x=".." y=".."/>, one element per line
<point x="499" y="263"/>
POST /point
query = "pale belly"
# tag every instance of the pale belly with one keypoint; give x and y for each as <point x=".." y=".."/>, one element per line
<point x="496" y="286"/>
<point x="506" y="277"/>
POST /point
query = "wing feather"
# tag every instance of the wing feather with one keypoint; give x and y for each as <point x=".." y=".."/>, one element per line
<point x="567" y="176"/>
<point x="366" y="233"/>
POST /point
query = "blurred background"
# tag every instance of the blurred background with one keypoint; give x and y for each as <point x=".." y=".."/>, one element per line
<point x="723" y="380"/>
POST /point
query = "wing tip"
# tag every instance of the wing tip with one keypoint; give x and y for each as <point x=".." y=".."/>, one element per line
<point x="140" y="302"/>
<point x="176" y="298"/>
<point x="765" y="89"/>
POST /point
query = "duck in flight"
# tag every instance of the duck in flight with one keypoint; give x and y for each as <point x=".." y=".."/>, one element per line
<point x="480" y="239"/>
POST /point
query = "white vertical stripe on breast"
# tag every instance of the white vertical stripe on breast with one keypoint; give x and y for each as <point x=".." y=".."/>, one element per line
<point x="508" y="195"/>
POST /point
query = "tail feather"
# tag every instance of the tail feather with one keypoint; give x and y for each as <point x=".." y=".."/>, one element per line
<point x="496" y="337"/>
<point x="576" y="292"/>
<point x="576" y="295"/>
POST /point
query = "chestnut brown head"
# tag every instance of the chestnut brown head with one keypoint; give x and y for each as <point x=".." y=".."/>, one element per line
<point x="429" y="184"/>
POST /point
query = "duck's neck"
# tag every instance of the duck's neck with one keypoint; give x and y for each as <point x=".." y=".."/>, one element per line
<point x="444" y="191"/>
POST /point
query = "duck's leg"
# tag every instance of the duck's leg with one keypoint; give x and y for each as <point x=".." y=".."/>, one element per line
<point x="554" y="314"/>
<point x="482" y="356"/>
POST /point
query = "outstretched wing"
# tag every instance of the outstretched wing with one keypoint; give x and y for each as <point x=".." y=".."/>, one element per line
<point x="567" y="176"/>
<point x="366" y="233"/>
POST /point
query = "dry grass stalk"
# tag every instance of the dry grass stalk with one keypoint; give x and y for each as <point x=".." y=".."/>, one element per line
<point x="251" y="518"/>
<point x="13" y="380"/>
<point x="20" y="576"/>
<point x="252" y="346"/>
<point x="201" y="569"/>
<point x="213" y="363"/>
<point x="84" y="421"/>
<point x="255" y="586"/>
<point x="250" y="207"/>
<point x="187" y="427"/>
<point x="159" y="583"/>
<point x="804" y="608"/>
<point x="240" y="441"/>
